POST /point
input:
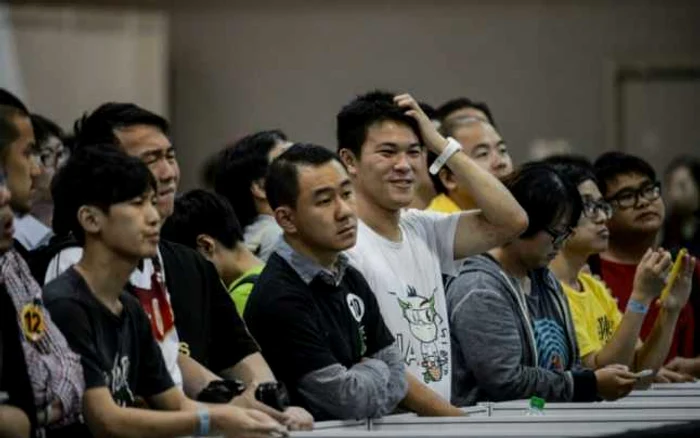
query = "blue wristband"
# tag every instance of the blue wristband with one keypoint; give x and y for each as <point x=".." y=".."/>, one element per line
<point x="637" y="307"/>
<point x="203" y="423"/>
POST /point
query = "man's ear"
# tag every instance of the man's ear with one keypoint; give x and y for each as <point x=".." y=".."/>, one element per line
<point x="447" y="178"/>
<point x="257" y="188"/>
<point x="90" y="218"/>
<point x="206" y="246"/>
<point x="350" y="161"/>
<point x="286" y="219"/>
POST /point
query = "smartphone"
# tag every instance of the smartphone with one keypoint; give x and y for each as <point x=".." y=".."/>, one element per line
<point x="644" y="373"/>
<point x="674" y="273"/>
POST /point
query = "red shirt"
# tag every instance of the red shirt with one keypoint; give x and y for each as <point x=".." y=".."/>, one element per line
<point x="620" y="279"/>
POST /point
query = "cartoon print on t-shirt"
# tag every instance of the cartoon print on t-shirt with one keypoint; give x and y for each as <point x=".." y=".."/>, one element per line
<point x="118" y="382"/>
<point x="423" y="321"/>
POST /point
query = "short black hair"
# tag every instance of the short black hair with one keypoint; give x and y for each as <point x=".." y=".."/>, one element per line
<point x="100" y="175"/>
<point x="9" y="99"/>
<point x="577" y="168"/>
<point x="8" y="128"/>
<point x="546" y="195"/>
<point x="202" y="212"/>
<point x="44" y="129"/>
<point x="459" y="103"/>
<point x="610" y="165"/>
<point x="355" y="118"/>
<point x="239" y="165"/>
<point x="282" y="183"/>
<point x="99" y="126"/>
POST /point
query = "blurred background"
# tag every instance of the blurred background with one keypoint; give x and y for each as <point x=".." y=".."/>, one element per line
<point x="565" y="75"/>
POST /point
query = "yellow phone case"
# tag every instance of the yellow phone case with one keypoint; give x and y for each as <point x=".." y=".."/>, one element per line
<point x="674" y="273"/>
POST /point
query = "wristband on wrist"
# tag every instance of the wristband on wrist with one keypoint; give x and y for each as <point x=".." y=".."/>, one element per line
<point x="203" y="422"/>
<point x="452" y="148"/>
<point x="637" y="307"/>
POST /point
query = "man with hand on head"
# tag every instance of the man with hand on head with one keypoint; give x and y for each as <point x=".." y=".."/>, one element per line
<point x="403" y="254"/>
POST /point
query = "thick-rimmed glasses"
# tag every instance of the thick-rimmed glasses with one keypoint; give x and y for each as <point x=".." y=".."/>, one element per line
<point x="628" y="198"/>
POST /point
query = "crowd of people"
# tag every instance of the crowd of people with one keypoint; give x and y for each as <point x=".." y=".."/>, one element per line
<point x="413" y="267"/>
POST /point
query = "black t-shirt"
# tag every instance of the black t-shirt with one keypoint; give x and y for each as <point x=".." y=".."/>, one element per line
<point x="205" y="316"/>
<point x="117" y="352"/>
<point x="302" y="328"/>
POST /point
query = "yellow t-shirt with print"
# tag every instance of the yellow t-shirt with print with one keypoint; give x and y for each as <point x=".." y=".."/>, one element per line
<point x="595" y="314"/>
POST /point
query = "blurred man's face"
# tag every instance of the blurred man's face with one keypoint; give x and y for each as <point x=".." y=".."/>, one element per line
<point x="52" y="154"/>
<point x="484" y="145"/>
<point x="21" y="166"/>
<point x="7" y="231"/>
<point x="153" y="147"/>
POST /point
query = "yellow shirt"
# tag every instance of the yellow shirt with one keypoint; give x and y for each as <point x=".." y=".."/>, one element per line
<point x="595" y="313"/>
<point x="443" y="204"/>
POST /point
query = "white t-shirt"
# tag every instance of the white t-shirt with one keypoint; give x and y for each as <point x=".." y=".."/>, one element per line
<point x="406" y="278"/>
<point x="140" y="278"/>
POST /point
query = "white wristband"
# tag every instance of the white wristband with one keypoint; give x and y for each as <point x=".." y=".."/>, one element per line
<point x="204" y="421"/>
<point x="452" y="148"/>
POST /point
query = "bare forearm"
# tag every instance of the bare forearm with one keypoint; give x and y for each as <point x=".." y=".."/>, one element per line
<point x="621" y="348"/>
<point x="195" y="376"/>
<point x="13" y="423"/>
<point x="654" y="351"/>
<point x="136" y="423"/>
<point x="497" y="204"/>
<point x="425" y="402"/>
<point x="252" y="368"/>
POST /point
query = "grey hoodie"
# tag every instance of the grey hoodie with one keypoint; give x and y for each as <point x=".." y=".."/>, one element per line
<point x="495" y="356"/>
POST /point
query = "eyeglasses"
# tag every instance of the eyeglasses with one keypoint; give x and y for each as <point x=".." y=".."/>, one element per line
<point x="591" y="209"/>
<point x="559" y="237"/>
<point x="628" y="198"/>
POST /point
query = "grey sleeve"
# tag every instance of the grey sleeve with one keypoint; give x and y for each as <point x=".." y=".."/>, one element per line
<point x="486" y="330"/>
<point x="398" y="385"/>
<point x="355" y="393"/>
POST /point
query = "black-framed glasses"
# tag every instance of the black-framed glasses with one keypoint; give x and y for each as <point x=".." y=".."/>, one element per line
<point x="628" y="198"/>
<point x="591" y="209"/>
<point x="559" y="237"/>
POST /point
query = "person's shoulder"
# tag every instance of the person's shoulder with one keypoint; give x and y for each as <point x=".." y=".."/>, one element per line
<point x="357" y="281"/>
<point x="68" y="285"/>
<point x="174" y="249"/>
<point x="278" y="279"/>
<point x="597" y="287"/>
<point x="132" y="305"/>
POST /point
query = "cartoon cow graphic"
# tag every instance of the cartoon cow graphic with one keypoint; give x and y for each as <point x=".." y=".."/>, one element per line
<point x="422" y="318"/>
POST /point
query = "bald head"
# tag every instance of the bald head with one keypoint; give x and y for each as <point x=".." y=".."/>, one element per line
<point x="483" y="144"/>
